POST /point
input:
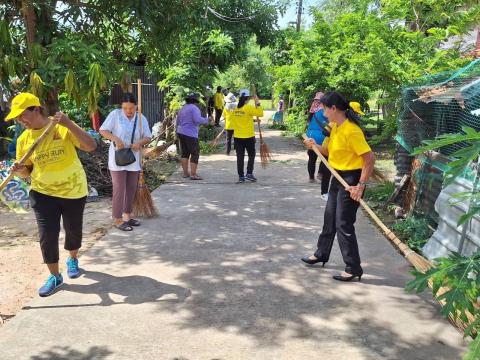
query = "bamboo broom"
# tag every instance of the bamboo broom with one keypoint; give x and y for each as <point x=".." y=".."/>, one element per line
<point x="142" y="203"/>
<point x="214" y="142"/>
<point x="418" y="261"/>
<point x="265" y="153"/>
<point x="29" y="153"/>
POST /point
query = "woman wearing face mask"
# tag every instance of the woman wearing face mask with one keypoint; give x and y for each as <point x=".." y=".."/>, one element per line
<point x="58" y="182"/>
<point x="120" y="127"/>
<point x="349" y="154"/>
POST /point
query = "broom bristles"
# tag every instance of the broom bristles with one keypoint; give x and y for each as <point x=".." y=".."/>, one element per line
<point x="265" y="154"/>
<point x="143" y="205"/>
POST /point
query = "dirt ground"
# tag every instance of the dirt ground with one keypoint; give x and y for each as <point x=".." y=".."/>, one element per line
<point x="21" y="267"/>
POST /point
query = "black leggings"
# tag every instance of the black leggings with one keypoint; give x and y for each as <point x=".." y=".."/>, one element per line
<point x="339" y="218"/>
<point x="240" y="146"/>
<point x="218" y="115"/>
<point x="48" y="211"/>
<point x="322" y="169"/>
<point x="228" y="145"/>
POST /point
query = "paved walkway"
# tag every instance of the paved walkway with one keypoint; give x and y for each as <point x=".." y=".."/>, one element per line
<point x="218" y="276"/>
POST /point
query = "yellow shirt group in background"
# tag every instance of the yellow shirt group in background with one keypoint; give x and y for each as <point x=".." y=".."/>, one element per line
<point x="346" y="145"/>
<point x="218" y="100"/>
<point x="57" y="170"/>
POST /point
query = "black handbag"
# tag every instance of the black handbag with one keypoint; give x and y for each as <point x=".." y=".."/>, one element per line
<point x="125" y="156"/>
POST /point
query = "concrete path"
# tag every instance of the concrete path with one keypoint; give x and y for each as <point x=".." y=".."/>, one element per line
<point x="218" y="276"/>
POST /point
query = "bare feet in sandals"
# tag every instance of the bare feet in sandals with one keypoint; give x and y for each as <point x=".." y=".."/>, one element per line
<point x="196" y="177"/>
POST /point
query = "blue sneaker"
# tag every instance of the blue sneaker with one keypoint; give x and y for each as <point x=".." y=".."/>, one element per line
<point x="241" y="180"/>
<point x="250" y="177"/>
<point x="72" y="268"/>
<point x="53" y="282"/>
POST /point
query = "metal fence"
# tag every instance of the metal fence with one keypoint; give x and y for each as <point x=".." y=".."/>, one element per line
<point x="153" y="100"/>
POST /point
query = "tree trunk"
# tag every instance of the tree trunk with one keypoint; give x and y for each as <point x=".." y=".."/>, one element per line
<point x="51" y="102"/>
<point x="30" y="19"/>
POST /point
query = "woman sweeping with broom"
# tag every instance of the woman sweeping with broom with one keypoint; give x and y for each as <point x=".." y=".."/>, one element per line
<point x="242" y="119"/>
<point x="58" y="181"/>
<point x="122" y="128"/>
<point x="349" y="154"/>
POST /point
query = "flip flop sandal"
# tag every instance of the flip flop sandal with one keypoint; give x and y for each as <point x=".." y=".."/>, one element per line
<point x="124" y="226"/>
<point x="133" y="222"/>
<point x="185" y="176"/>
<point x="196" y="177"/>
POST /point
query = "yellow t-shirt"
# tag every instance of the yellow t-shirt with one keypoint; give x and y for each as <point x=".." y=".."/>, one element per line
<point x="346" y="145"/>
<point x="242" y="120"/>
<point x="227" y="115"/>
<point x="57" y="171"/>
<point x="218" y="100"/>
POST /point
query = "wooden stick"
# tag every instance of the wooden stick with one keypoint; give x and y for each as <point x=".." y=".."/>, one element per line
<point x="29" y="153"/>
<point x="139" y="110"/>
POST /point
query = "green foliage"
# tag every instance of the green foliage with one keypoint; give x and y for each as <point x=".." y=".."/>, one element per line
<point x="207" y="133"/>
<point x="414" y="231"/>
<point x="207" y="148"/>
<point x="362" y="49"/>
<point x="82" y="47"/>
<point x="379" y="193"/>
<point x="463" y="158"/>
<point x="277" y="126"/>
<point x="461" y="275"/>
<point x="251" y="68"/>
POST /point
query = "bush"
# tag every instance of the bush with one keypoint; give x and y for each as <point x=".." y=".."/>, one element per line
<point x="206" y="147"/>
<point x="414" y="231"/>
<point x="379" y="193"/>
<point x="207" y="133"/>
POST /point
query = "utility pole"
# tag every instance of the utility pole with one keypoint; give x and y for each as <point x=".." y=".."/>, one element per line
<point x="299" y="15"/>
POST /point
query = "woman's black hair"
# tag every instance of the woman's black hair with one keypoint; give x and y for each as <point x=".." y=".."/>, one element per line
<point x="243" y="100"/>
<point x="129" y="98"/>
<point x="189" y="100"/>
<point x="335" y="98"/>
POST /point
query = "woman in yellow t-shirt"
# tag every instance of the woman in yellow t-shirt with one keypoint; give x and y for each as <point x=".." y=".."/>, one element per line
<point x="244" y="134"/>
<point x="58" y="182"/>
<point x="230" y="105"/>
<point x="349" y="154"/>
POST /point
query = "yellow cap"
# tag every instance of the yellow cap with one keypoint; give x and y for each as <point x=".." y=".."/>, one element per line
<point x="356" y="107"/>
<point x="20" y="103"/>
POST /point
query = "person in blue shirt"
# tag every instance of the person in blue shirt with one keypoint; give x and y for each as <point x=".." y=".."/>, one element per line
<point x="318" y="129"/>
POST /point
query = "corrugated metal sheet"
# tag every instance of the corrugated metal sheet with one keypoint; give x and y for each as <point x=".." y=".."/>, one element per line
<point x="449" y="237"/>
<point x="153" y="104"/>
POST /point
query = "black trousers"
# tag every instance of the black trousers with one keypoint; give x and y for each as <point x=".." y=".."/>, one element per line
<point x="339" y="219"/>
<point x="240" y="146"/>
<point x="218" y="115"/>
<point x="228" y="141"/>
<point x="322" y="169"/>
<point x="48" y="211"/>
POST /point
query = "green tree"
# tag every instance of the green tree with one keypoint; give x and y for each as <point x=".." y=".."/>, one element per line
<point x="145" y="31"/>
<point x="361" y="48"/>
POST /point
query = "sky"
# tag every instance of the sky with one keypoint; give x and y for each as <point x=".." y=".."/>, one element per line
<point x="291" y="14"/>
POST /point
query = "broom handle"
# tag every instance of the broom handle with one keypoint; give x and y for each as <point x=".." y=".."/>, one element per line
<point x="403" y="248"/>
<point x="29" y="153"/>
<point x="254" y="90"/>
<point x="139" y="93"/>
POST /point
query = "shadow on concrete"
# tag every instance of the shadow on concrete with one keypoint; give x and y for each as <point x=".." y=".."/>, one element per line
<point x="134" y="289"/>
<point x="240" y="256"/>
<point x="65" y="353"/>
